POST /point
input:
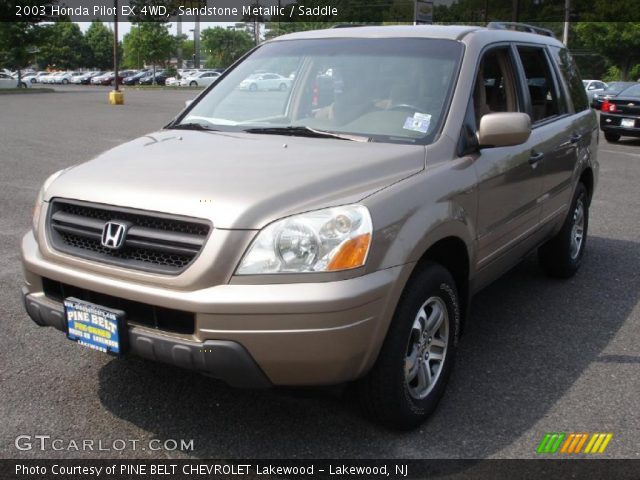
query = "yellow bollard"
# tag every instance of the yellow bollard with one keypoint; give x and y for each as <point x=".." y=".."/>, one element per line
<point x="116" y="97"/>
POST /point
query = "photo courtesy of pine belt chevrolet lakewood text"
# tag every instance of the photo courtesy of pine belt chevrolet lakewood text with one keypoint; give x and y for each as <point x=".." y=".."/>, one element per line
<point x="330" y="225"/>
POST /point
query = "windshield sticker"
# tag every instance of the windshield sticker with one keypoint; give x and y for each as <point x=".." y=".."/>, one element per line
<point x="418" y="123"/>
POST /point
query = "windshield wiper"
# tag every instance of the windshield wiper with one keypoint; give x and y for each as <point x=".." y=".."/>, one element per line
<point x="302" y="131"/>
<point x="191" y="126"/>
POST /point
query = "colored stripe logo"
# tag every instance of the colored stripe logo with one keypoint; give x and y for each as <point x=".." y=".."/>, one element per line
<point x="572" y="443"/>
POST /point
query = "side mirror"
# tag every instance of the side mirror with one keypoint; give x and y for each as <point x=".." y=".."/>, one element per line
<point x="187" y="103"/>
<point x="504" y="129"/>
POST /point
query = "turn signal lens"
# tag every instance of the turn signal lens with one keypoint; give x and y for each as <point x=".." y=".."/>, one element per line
<point x="352" y="253"/>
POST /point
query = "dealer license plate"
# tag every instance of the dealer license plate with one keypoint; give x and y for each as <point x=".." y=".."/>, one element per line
<point x="95" y="327"/>
<point x="628" y="123"/>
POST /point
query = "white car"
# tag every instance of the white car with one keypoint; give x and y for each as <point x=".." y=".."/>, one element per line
<point x="200" y="79"/>
<point x="265" y="81"/>
<point x="172" y="82"/>
<point x="34" y="77"/>
<point x="7" y="81"/>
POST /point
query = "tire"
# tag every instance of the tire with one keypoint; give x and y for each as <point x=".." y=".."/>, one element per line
<point x="561" y="256"/>
<point x="611" y="137"/>
<point x="253" y="87"/>
<point x="65" y="81"/>
<point x="33" y="80"/>
<point x="401" y="399"/>
<point x="283" y="87"/>
<point x="23" y="85"/>
<point x="193" y="83"/>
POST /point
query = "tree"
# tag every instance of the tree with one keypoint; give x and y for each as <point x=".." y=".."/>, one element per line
<point x="99" y="40"/>
<point x="619" y="42"/>
<point x="19" y="40"/>
<point x="155" y="43"/>
<point x="63" y="46"/>
<point x="223" y="47"/>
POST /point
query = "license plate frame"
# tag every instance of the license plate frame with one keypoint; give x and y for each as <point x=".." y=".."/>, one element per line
<point x="96" y="327"/>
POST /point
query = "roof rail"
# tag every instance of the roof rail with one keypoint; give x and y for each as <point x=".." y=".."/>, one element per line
<point x="348" y="25"/>
<point x="522" y="27"/>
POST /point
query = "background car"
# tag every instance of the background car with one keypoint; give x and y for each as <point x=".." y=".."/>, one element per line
<point x="34" y="77"/>
<point x="161" y="78"/>
<point x="7" y="81"/>
<point x="593" y="86"/>
<point x="134" y="79"/>
<point x="265" y="81"/>
<point x="83" y="78"/>
<point x="612" y="90"/>
<point x="620" y="115"/>
<point x="200" y="79"/>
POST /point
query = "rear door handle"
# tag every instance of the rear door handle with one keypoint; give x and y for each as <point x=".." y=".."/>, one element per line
<point x="535" y="158"/>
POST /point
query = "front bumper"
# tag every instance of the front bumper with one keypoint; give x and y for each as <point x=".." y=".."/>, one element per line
<point x="290" y="334"/>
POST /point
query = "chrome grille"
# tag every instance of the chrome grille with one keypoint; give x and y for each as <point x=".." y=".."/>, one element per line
<point x="155" y="242"/>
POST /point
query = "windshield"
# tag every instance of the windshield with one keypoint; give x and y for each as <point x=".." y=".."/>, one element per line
<point x="633" y="91"/>
<point x="394" y="90"/>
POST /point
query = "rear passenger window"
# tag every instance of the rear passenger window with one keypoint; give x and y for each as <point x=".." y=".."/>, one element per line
<point x="569" y="71"/>
<point x="545" y="98"/>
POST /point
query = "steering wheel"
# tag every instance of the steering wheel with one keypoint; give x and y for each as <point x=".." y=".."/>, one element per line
<point x="404" y="106"/>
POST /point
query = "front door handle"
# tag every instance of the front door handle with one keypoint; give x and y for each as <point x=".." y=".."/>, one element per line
<point x="575" y="138"/>
<point x="535" y="158"/>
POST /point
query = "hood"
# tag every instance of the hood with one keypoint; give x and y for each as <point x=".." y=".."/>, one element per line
<point x="237" y="180"/>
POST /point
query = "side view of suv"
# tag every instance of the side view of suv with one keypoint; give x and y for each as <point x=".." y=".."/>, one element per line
<point x="333" y="231"/>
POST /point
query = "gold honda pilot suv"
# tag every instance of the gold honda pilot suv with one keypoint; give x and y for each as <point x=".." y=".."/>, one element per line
<point x="324" y="211"/>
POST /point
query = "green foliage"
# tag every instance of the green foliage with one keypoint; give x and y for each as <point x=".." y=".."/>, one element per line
<point x="149" y="43"/>
<point x="63" y="46"/>
<point x="222" y="47"/>
<point x="99" y="40"/>
<point x="612" y="74"/>
<point x="619" y="42"/>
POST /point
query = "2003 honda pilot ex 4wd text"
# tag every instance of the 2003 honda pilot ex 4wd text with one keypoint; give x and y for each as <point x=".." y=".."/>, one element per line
<point x="332" y="227"/>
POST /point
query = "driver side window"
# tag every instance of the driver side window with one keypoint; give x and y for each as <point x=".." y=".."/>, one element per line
<point x="494" y="89"/>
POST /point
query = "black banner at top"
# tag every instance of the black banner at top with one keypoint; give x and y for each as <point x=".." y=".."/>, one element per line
<point x="360" y="11"/>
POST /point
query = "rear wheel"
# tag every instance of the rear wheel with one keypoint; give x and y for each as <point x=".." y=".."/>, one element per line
<point x="611" y="137"/>
<point x="193" y="83"/>
<point x="283" y="87"/>
<point x="409" y="377"/>
<point x="562" y="255"/>
<point x="253" y="87"/>
<point x="65" y="81"/>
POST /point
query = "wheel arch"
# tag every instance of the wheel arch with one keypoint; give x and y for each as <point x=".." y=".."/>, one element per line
<point x="587" y="178"/>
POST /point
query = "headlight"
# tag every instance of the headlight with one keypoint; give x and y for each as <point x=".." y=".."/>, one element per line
<point x="323" y="241"/>
<point x="37" y="208"/>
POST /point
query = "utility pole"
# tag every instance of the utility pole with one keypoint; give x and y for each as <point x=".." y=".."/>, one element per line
<point x="515" y="12"/>
<point x="179" y="35"/>
<point x="115" y="44"/>
<point x="116" y="97"/>
<point x="567" y="17"/>
<point x="196" y="41"/>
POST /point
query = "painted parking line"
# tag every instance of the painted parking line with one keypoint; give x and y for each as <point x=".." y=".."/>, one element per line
<point x="617" y="152"/>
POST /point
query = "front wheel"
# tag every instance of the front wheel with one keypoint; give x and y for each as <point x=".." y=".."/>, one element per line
<point x="253" y="87"/>
<point x="562" y="255"/>
<point x="193" y="83"/>
<point x="611" y="137"/>
<point x="409" y="377"/>
<point x="283" y="87"/>
<point x="65" y="81"/>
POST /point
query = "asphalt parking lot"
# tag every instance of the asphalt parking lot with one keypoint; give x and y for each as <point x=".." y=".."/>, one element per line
<point x="537" y="356"/>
